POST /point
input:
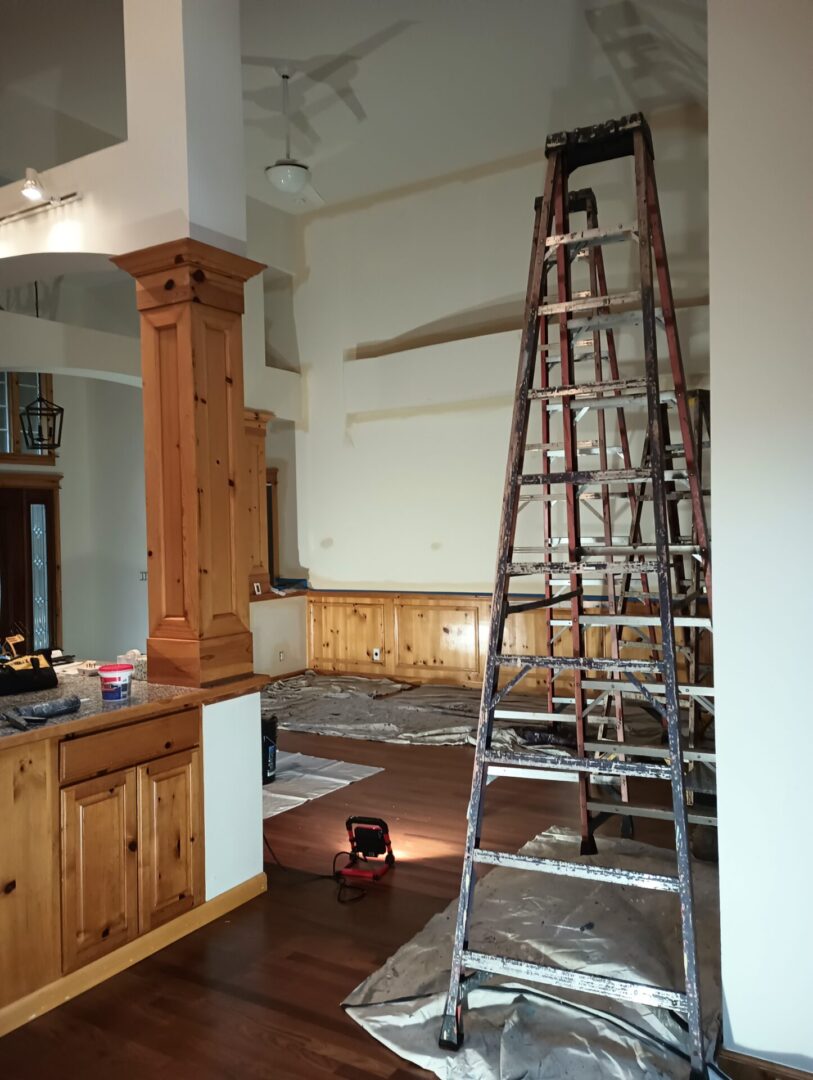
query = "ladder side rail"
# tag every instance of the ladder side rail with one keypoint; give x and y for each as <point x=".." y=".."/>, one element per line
<point x="623" y="439"/>
<point x="678" y="373"/>
<point x="676" y="765"/>
<point x="569" y="442"/>
<point x="452" y="1025"/>
<point x="613" y="633"/>
<point x="547" y="506"/>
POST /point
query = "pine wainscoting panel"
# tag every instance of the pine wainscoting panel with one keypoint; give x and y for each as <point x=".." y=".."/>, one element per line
<point x="439" y="637"/>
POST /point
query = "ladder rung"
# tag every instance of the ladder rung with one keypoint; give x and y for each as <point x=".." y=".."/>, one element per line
<point x="592" y="237"/>
<point x="684" y="689"/>
<point x="595" y="323"/>
<point x="581" y="663"/>
<point x="610" y="549"/>
<point x="547" y="717"/>
<point x="620" y="989"/>
<point x="533" y="761"/>
<point x="631" y="750"/>
<point x="642" y="620"/>
<point x="596" y="496"/>
<point x="586" y="871"/>
<point x="624" y="401"/>
<point x="587" y="476"/>
<point x="551" y="393"/>
<point x="527" y="569"/>
<point x="696" y="815"/>
<point x="591" y="303"/>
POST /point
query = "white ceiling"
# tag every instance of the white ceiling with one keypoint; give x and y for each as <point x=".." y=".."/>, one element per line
<point x="384" y="93"/>
<point x="389" y="94"/>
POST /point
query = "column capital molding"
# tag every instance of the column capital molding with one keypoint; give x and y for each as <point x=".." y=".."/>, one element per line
<point x="186" y="270"/>
<point x="258" y="418"/>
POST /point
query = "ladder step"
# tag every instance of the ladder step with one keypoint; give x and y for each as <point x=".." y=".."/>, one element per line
<point x="534" y="761"/>
<point x="697" y="815"/>
<point x="585" y="871"/>
<point x="611" y="549"/>
<point x="684" y="689"/>
<point x="587" y="476"/>
<point x="581" y="663"/>
<point x="525" y="569"/>
<point x="630" y="749"/>
<point x="622" y="401"/>
<point x="620" y="989"/>
<point x="643" y="620"/>
<point x="592" y="237"/>
<point x="594" y="324"/>
<point x="596" y="496"/>
<point x="552" y="393"/>
<point x="591" y="303"/>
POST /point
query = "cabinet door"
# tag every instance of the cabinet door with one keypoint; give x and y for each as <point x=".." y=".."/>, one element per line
<point x="170" y="840"/>
<point x="29" y="870"/>
<point x="99" y="867"/>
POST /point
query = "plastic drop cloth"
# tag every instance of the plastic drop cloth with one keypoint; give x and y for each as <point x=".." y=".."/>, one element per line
<point x="302" y="777"/>
<point x="385" y="711"/>
<point x="516" y="1032"/>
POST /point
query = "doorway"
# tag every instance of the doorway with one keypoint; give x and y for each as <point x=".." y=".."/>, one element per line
<point x="30" y="602"/>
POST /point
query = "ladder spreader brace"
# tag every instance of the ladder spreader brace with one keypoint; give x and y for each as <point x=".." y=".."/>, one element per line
<point x="557" y="326"/>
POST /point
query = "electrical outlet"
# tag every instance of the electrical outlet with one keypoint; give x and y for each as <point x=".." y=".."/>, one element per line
<point x="281" y="655"/>
<point x="376" y="656"/>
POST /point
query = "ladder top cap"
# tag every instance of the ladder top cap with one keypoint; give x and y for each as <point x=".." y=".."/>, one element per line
<point x="599" y="142"/>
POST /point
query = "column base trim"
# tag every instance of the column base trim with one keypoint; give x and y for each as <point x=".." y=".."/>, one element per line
<point x="199" y="662"/>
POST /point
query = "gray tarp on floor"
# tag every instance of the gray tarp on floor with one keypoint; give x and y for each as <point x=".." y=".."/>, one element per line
<point x="516" y="1033"/>
<point x="387" y="711"/>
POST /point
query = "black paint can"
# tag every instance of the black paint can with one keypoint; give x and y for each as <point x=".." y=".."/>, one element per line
<point x="269" y="740"/>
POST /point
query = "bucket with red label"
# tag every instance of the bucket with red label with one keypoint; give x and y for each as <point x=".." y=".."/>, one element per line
<point x="115" y="681"/>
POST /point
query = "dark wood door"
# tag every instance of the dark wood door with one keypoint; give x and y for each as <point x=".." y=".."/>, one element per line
<point x="29" y="601"/>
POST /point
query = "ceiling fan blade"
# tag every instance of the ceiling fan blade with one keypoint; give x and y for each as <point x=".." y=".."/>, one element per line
<point x="311" y="196"/>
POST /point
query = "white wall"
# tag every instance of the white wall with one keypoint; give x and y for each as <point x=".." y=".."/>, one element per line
<point x="761" y="163"/>
<point x="278" y="627"/>
<point x="232" y="793"/>
<point x="401" y="462"/>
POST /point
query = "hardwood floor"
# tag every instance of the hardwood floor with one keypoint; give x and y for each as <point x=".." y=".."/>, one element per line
<point x="257" y="994"/>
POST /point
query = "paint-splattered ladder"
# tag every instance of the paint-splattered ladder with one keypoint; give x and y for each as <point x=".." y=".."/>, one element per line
<point x="566" y="329"/>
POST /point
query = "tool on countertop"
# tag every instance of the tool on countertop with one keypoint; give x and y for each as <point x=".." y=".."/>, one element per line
<point x="25" y="716"/>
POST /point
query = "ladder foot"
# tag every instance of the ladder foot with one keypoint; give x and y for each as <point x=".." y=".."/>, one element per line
<point x="588" y="846"/>
<point x="451" y="1031"/>
<point x="699" y="1074"/>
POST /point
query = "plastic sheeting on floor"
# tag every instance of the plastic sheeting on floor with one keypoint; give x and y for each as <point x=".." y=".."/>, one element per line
<point x="301" y="777"/>
<point x="382" y="710"/>
<point x="385" y="711"/>
<point x="519" y="1032"/>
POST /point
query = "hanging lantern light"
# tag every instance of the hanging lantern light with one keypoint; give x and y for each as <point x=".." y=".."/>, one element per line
<point x="41" y="421"/>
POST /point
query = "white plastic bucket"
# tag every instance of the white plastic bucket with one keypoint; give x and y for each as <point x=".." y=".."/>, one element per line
<point x="115" y="681"/>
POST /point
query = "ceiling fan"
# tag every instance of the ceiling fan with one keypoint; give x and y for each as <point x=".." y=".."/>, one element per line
<point x="287" y="175"/>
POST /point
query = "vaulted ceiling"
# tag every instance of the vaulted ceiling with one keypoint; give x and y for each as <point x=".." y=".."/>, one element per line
<point x="383" y="95"/>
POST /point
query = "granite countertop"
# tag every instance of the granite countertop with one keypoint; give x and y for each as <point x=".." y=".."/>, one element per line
<point x="88" y="689"/>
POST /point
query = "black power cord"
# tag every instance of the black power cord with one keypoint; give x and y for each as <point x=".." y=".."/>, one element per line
<point x="345" y="894"/>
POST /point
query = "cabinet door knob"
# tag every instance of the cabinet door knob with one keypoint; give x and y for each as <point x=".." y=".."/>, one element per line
<point x="9" y="887"/>
<point x="132" y="846"/>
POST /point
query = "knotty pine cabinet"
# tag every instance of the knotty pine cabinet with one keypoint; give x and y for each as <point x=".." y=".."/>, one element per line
<point x="131" y="838"/>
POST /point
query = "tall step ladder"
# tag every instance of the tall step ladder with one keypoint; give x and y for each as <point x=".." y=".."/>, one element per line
<point x="562" y="331"/>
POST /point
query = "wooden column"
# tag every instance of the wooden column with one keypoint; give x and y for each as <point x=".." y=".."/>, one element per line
<point x="259" y="572"/>
<point x="190" y="296"/>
